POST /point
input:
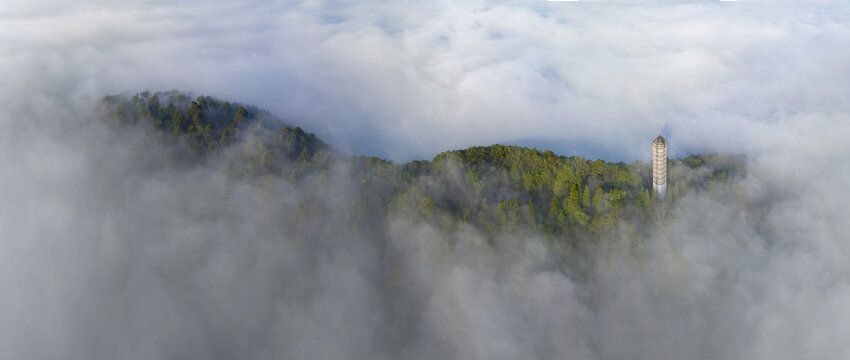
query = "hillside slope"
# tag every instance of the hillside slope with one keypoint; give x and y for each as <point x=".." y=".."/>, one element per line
<point x="494" y="188"/>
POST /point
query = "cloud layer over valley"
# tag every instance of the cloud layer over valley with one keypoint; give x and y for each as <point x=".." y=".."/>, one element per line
<point x="407" y="80"/>
<point x="106" y="253"/>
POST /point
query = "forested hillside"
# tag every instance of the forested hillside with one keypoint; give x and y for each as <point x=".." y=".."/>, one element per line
<point x="495" y="188"/>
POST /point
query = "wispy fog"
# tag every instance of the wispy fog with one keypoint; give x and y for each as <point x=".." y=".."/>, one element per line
<point x="406" y="80"/>
<point x="106" y="253"/>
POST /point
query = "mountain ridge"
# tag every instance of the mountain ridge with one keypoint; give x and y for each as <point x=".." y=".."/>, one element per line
<point x="494" y="187"/>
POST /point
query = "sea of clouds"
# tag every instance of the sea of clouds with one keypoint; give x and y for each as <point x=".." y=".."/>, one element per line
<point x="105" y="253"/>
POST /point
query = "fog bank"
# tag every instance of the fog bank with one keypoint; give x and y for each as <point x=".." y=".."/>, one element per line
<point x="105" y="252"/>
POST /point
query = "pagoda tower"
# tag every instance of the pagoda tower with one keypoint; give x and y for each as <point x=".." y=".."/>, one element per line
<point x="659" y="167"/>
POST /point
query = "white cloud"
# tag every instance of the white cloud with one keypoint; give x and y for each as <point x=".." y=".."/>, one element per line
<point x="146" y="264"/>
<point x="408" y="80"/>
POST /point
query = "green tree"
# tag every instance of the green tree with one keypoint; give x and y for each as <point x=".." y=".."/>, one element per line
<point x="229" y="135"/>
<point x="556" y="216"/>
<point x="585" y="196"/>
<point x="178" y="121"/>
<point x="563" y="180"/>
<point x="240" y="116"/>
<point x="574" y="211"/>
<point x="427" y="207"/>
<point x="600" y="203"/>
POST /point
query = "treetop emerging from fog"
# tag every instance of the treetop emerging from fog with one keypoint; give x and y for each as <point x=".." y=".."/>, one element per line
<point x="495" y="188"/>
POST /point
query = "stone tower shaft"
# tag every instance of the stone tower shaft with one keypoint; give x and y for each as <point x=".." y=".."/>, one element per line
<point x="659" y="167"/>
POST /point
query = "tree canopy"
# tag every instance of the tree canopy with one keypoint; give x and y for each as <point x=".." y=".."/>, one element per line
<point x="494" y="188"/>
